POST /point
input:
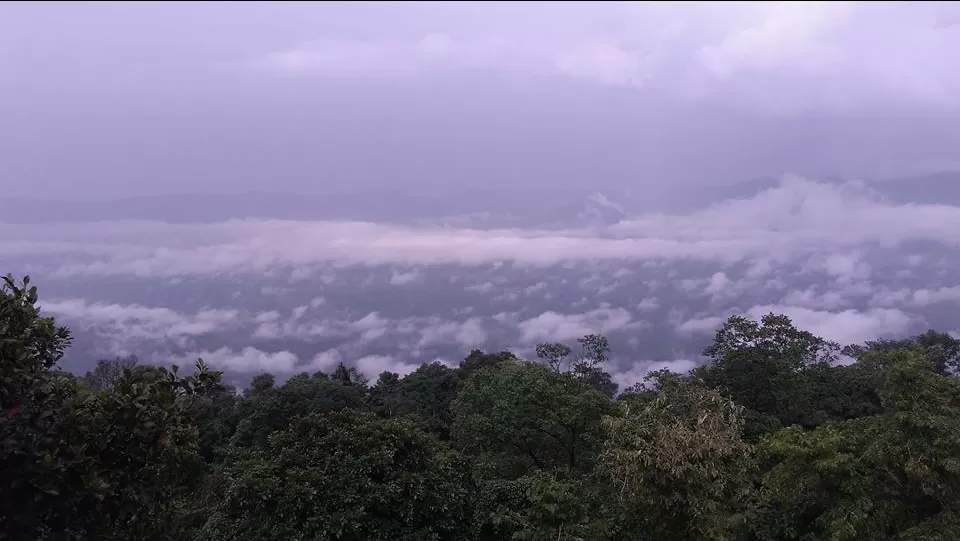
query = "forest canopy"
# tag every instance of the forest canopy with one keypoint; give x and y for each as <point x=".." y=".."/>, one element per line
<point x="781" y="435"/>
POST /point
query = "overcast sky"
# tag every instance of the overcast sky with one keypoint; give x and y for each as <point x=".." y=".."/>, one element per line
<point x="117" y="99"/>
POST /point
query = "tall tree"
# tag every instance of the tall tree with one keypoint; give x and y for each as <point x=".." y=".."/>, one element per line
<point x="427" y="393"/>
<point x="347" y="476"/>
<point x="764" y="366"/>
<point x="267" y="408"/>
<point x="525" y="415"/>
<point x="108" y="371"/>
<point x="885" y="477"/>
<point x="678" y="465"/>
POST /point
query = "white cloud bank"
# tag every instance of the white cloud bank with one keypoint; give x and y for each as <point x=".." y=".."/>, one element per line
<point x="819" y="234"/>
<point x="798" y="219"/>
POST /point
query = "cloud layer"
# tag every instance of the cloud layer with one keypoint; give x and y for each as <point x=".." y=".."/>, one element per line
<point x="783" y="56"/>
<point x="797" y="219"/>
<point x="293" y="296"/>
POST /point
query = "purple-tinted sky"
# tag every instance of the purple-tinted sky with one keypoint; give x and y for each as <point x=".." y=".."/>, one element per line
<point x="116" y="99"/>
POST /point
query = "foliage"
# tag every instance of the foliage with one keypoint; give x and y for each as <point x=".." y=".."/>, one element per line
<point x="524" y="415"/>
<point x="109" y="371"/>
<point x="349" y="476"/>
<point x="766" y="366"/>
<point x="678" y="465"/>
<point x="75" y="462"/>
<point x="539" y="506"/>
<point x="427" y="393"/>
<point x="267" y="408"/>
<point x="889" y="476"/>
<point x="770" y="440"/>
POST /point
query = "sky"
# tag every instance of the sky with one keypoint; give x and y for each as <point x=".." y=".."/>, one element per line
<point x="117" y="99"/>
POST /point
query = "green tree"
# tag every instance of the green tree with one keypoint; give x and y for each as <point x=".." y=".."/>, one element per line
<point x="35" y="467"/>
<point x="524" y="415"/>
<point x="540" y="506"/>
<point x="345" y="476"/>
<point x="553" y="353"/>
<point x="477" y="360"/>
<point x="427" y="393"/>
<point x="139" y="448"/>
<point x="108" y="371"/>
<point x="941" y="349"/>
<point x="893" y="476"/>
<point x="82" y="463"/>
<point x="678" y="465"/>
<point x="765" y="367"/>
<point x="267" y="408"/>
<point x="594" y="352"/>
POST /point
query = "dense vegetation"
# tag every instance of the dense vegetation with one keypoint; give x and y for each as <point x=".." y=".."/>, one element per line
<point x="773" y="439"/>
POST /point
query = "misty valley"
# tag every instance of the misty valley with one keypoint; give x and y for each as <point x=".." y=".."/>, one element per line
<point x="479" y="271"/>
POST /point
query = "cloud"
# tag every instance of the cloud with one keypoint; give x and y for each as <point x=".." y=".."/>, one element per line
<point x="133" y="322"/>
<point x="923" y="297"/>
<point x="701" y="325"/>
<point x="247" y="360"/>
<point x="793" y="221"/>
<point x="845" y="267"/>
<point x="429" y="53"/>
<point x="847" y="326"/>
<point x="251" y="360"/>
<point x="554" y="327"/>
<point x="370" y="366"/>
<point x="485" y="287"/>
<point x="638" y="370"/>
<point x="811" y="298"/>
<point x="648" y="304"/>
<point x="373" y="365"/>
<point x="468" y="334"/>
<point x="916" y="298"/>
<point x="718" y="285"/>
<point x="404" y="278"/>
<point x="780" y="56"/>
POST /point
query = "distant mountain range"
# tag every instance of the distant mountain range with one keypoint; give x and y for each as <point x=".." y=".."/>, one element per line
<point x="937" y="188"/>
<point x="471" y="208"/>
<point x="466" y="208"/>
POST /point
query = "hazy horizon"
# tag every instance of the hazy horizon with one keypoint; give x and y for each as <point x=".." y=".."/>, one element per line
<point x="509" y="172"/>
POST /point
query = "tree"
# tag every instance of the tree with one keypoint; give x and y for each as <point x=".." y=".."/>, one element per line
<point x="885" y="477"/>
<point x="266" y="408"/>
<point x="594" y="352"/>
<point x="348" y="476"/>
<point x="765" y="367"/>
<point x="139" y="449"/>
<point x="553" y="354"/>
<point x="427" y="393"/>
<point x="941" y="349"/>
<point x="36" y="399"/>
<point x="774" y="336"/>
<point x="211" y="406"/>
<point x="260" y="384"/>
<point x="107" y="463"/>
<point x="108" y="371"/>
<point x="678" y="465"/>
<point x="348" y="376"/>
<point x="525" y="415"/>
<point x="477" y="360"/>
<point x="540" y="506"/>
<point x="30" y="346"/>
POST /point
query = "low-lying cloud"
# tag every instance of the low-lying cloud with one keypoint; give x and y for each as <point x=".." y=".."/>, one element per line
<point x="839" y="261"/>
<point x="795" y="220"/>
